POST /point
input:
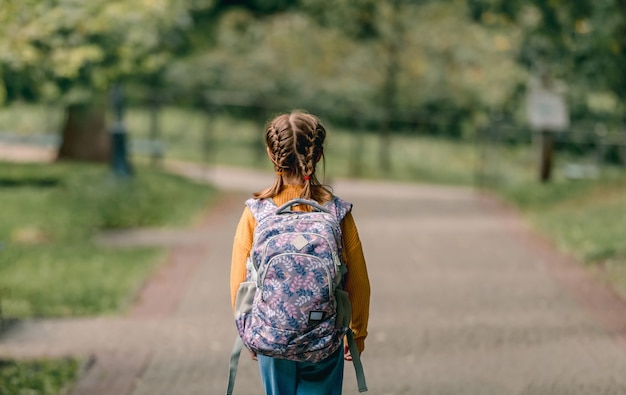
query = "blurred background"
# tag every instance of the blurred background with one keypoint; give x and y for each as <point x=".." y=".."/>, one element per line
<point x="521" y="98"/>
<point x="198" y="77"/>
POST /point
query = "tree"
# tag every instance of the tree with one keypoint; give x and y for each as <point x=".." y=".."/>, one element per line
<point x="284" y="57"/>
<point x="579" y="41"/>
<point x="379" y="63"/>
<point x="71" y="51"/>
<point x="434" y="66"/>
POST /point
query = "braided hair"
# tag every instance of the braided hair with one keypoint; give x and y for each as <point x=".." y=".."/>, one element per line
<point x="295" y="143"/>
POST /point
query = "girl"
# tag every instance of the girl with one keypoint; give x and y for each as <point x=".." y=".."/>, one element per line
<point x="295" y="145"/>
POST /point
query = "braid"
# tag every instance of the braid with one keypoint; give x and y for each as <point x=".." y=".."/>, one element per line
<point x="307" y="163"/>
<point x="273" y="143"/>
<point x="295" y="144"/>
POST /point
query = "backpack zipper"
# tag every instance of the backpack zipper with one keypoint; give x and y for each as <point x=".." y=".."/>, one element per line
<point x="336" y="259"/>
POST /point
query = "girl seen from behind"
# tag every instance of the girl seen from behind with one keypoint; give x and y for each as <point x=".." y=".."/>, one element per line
<point x="295" y="145"/>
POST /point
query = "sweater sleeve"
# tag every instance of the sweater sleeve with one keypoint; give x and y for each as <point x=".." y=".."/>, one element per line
<point x="357" y="280"/>
<point x="242" y="244"/>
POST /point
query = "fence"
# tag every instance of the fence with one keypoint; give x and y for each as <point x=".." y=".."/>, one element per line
<point x="358" y="143"/>
<point x="225" y="128"/>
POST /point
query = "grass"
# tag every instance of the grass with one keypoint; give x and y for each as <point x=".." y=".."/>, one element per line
<point x="41" y="377"/>
<point x="49" y="265"/>
<point x="228" y="141"/>
<point x="220" y="139"/>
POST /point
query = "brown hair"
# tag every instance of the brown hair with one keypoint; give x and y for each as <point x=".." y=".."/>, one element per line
<point x="295" y="142"/>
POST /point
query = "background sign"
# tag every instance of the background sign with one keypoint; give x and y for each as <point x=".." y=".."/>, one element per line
<point x="546" y="109"/>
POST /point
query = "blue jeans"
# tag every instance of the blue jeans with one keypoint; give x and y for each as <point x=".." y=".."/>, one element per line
<point x="284" y="377"/>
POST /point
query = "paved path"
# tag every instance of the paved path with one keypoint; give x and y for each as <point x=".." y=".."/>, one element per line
<point x="465" y="300"/>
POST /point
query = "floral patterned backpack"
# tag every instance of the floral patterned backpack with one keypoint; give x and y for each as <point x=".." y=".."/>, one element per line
<point x="292" y="305"/>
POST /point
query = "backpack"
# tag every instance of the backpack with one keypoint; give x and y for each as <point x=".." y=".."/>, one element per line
<point x="292" y="305"/>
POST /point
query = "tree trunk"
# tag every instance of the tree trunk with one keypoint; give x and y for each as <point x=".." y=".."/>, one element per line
<point x="85" y="137"/>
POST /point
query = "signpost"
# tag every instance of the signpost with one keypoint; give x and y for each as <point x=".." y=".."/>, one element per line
<point x="547" y="115"/>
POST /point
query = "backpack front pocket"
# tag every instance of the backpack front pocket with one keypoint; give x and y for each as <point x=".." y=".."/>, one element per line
<point x="312" y="346"/>
<point x="292" y="286"/>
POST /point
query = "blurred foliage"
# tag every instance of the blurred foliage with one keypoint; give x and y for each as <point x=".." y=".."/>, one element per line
<point x="41" y="377"/>
<point x="357" y="18"/>
<point x="330" y="57"/>
<point x="448" y="66"/>
<point x="70" y="48"/>
<point x="259" y="7"/>
<point x="438" y="67"/>
<point x="581" y="42"/>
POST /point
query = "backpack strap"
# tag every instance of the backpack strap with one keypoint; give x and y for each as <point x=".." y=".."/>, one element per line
<point x="339" y="207"/>
<point x="234" y="362"/>
<point x="356" y="361"/>
<point x="261" y="208"/>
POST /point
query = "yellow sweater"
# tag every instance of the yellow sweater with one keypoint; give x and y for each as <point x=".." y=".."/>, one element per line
<point x="356" y="281"/>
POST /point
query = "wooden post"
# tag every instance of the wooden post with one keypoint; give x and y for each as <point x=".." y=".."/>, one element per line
<point x="547" y="149"/>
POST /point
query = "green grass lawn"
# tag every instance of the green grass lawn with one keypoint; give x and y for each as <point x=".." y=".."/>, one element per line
<point x="41" y="377"/>
<point x="49" y="265"/>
